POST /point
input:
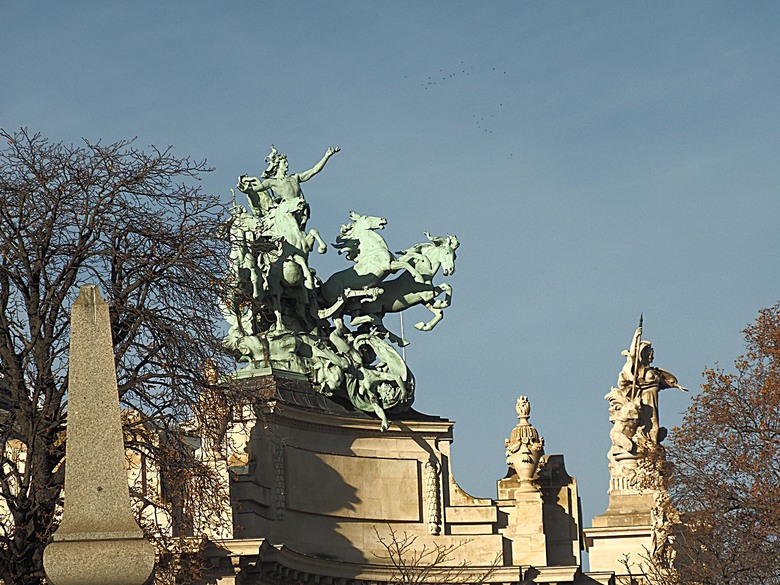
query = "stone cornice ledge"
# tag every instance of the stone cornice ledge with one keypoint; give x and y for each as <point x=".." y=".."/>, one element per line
<point x="553" y="574"/>
<point x="285" y="563"/>
<point x="352" y="423"/>
<point x="617" y="531"/>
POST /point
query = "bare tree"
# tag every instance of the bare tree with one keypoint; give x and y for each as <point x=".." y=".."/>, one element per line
<point x="135" y="224"/>
<point x="433" y="564"/>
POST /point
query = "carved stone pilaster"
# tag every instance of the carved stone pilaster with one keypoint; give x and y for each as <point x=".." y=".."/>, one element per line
<point x="432" y="497"/>
<point x="279" y="481"/>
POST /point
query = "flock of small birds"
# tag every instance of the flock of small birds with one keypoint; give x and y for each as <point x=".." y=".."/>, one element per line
<point x="431" y="81"/>
<point x="482" y="122"/>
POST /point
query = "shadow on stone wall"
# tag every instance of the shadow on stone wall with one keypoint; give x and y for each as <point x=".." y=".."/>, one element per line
<point x="561" y="521"/>
<point x="297" y="496"/>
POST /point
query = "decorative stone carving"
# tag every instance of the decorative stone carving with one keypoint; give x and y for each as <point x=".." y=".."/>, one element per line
<point x="662" y="551"/>
<point x="432" y="497"/>
<point x="524" y="447"/>
<point x="633" y="411"/>
<point x="282" y="315"/>
<point x="280" y="496"/>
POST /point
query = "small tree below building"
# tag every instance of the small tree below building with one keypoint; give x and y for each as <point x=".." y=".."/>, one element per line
<point x="414" y="563"/>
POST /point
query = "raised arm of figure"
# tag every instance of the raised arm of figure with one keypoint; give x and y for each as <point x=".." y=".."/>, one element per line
<point x="669" y="380"/>
<point x="306" y="175"/>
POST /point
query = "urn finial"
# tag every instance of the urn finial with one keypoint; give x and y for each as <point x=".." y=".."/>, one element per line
<point x="524" y="447"/>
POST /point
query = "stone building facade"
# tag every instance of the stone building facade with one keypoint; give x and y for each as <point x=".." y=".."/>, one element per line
<point x="319" y="494"/>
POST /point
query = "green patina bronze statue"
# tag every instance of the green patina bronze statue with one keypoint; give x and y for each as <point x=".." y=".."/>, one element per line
<point x="283" y="316"/>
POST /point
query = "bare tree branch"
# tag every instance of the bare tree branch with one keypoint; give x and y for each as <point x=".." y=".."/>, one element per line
<point x="434" y="564"/>
<point x="135" y="223"/>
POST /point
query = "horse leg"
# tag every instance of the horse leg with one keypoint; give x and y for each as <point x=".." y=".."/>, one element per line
<point x="276" y="302"/>
<point x="447" y="290"/>
<point x="301" y="303"/>
<point x="308" y="279"/>
<point x="361" y="319"/>
<point x="382" y="331"/>
<point x="256" y="277"/>
<point x="380" y="328"/>
<point x="313" y="236"/>
<point x="397" y="339"/>
<point x="398" y="264"/>
<point x="275" y="292"/>
<point x="438" y="315"/>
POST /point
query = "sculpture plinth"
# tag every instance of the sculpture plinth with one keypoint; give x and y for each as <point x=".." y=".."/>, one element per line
<point x="322" y="482"/>
<point x="318" y="463"/>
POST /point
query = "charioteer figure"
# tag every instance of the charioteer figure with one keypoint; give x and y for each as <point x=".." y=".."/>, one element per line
<point x="275" y="184"/>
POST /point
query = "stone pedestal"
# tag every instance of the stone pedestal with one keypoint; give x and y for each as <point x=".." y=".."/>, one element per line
<point x="529" y="543"/>
<point x="547" y="520"/>
<point x="624" y="529"/>
<point x="320" y="477"/>
<point x="319" y="485"/>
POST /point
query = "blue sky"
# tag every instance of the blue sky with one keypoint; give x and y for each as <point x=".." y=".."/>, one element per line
<point x="596" y="160"/>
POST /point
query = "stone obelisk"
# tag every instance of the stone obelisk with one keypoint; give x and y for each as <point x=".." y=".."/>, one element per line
<point x="98" y="541"/>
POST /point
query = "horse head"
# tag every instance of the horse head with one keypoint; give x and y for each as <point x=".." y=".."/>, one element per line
<point x="444" y="247"/>
<point x="291" y="206"/>
<point x="367" y="222"/>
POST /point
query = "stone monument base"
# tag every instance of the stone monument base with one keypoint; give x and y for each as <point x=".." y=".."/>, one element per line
<point x="317" y="488"/>
<point x="622" y="534"/>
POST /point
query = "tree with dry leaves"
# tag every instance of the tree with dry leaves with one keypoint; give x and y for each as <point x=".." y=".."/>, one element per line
<point x="726" y="479"/>
<point x="135" y="223"/>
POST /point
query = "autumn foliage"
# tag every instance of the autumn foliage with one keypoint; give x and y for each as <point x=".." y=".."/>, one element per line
<point x="726" y="480"/>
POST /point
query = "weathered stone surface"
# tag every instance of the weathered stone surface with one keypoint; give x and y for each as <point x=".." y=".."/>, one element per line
<point x="312" y="489"/>
<point x="322" y="484"/>
<point x="472" y="514"/>
<point x="98" y="541"/>
<point x="524" y="448"/>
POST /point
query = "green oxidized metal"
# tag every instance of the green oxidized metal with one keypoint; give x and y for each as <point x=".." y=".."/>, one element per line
<point x="283" y="316"/>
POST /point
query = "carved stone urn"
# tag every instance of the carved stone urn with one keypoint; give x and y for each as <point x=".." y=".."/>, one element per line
<point x="524" y="447"/>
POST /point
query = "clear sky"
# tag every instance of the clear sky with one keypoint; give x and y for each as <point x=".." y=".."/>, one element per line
<point x="595" y="159"/>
